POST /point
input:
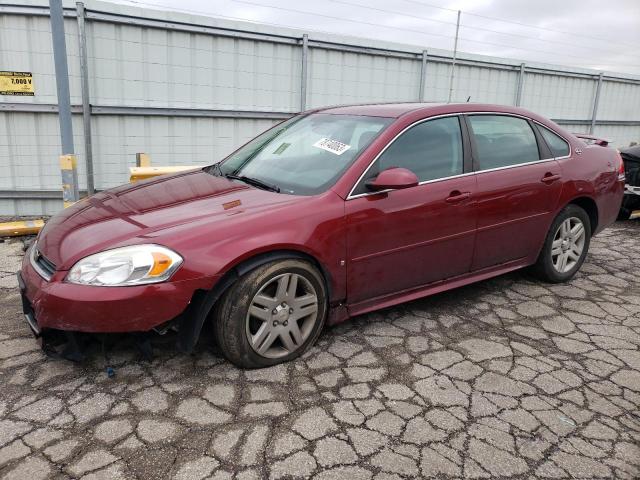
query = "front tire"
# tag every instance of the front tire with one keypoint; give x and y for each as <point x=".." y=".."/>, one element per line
<point x="565" y="246"/>
<point x="272" y="314"/>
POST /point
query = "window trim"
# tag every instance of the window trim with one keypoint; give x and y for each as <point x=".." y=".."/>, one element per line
<point x="536" y="135"/>
<point x="557" y="134"/>
<point x="465" y="155"/>
<point x="468" y="141"/>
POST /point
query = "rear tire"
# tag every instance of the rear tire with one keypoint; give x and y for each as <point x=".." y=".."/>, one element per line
<point x="565" y="246"/>
<point x="272" y="314"/>
<point x="624" y="214"/>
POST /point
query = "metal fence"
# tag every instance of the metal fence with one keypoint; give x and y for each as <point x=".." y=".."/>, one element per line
<point x="188" y="89"/>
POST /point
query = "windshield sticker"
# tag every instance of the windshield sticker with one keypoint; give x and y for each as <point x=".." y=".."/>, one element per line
<point x="281" y="148"/>
<point x="333" y="146"/>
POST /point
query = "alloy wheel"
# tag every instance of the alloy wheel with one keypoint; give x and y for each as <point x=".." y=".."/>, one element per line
<point x="568" y="244"/>
<point x="282" y="315"/>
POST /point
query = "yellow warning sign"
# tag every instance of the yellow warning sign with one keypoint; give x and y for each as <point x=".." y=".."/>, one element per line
<point x="16" y="83"/>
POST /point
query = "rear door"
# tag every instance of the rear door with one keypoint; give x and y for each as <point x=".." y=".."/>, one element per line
<point x="519" y="184"/>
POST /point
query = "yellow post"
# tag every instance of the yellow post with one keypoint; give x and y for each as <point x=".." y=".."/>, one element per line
<point x="143" y="160"/>
<point x="70" y="190"/>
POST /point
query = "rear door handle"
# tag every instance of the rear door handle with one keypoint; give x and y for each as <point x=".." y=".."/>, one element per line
<point x="456" y="196"/>
<point x="550" y="178"/>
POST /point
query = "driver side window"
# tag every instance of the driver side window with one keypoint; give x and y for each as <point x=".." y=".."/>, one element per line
<point x="431" y="149"/>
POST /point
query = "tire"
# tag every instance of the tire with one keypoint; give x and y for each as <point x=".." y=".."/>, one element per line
<point x="282" y="312"/>
<point x="624" y="214"/>
<point x="549" y="266"/>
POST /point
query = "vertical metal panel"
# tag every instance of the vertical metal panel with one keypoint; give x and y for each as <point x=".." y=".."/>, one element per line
<point x="29" y="149"/>
<point x="558" y="97"/>
<point x="139" y="66"/>
<point x="437" y="82"/>
<point x="24" y="207"/>
<point x="337" y="77"/>
<point x="620" y="136"/>
<point x="619" y="101"/>
<point x="168" y="141"/>
<point x="483" y="85"/>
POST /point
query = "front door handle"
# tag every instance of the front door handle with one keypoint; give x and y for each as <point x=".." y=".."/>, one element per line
<point x="550" y="178"/>
<point x="457" y="196"/>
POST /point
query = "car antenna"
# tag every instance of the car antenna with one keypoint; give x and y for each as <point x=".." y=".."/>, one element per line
<point x="468" y="98"/>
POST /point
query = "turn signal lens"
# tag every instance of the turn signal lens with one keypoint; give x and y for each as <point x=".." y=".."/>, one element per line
<point x="161" y="262"/>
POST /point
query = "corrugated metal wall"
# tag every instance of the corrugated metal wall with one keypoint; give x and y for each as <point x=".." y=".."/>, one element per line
<point x="337" y="77"/>
<point x="228" y="81"/>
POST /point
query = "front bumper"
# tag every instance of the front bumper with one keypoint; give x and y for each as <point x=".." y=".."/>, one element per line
<point x="58" y="305"/>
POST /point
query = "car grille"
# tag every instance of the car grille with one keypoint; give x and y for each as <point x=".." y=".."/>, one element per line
<point x="43" y="266"/>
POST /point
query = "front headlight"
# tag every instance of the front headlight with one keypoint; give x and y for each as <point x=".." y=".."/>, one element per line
<point x="135" y="265"/>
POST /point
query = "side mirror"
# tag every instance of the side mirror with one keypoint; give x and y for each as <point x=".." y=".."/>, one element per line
<point x="394" y="178"/>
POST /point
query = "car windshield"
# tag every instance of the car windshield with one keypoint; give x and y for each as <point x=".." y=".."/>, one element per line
<point x="304" y="155"/>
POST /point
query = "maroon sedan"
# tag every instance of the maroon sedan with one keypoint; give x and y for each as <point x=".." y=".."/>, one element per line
<point x="330" y="214"/>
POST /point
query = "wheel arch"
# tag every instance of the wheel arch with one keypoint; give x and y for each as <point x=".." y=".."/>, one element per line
<point x="256" y="260"/>
<point x="589" y="205"/>
<point x="203" y="301"/>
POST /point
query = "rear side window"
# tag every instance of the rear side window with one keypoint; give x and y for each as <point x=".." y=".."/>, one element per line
<point x="431" y="150"/>
<point x="559" y="148"/>
<point x="503" y="141"/>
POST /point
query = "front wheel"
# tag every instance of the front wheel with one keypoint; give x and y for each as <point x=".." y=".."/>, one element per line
<point x="272" y="314"/>
<point x="565" y="247"/>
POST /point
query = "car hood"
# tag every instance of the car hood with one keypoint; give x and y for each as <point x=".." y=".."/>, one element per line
<point x="135" y="213"/>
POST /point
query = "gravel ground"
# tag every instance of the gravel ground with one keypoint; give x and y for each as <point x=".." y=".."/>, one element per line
<point x="505" y="378"/>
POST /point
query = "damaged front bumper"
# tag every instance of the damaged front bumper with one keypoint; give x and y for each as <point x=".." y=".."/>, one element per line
<point x="73" y="345"/>
<point x="65" y="318"/>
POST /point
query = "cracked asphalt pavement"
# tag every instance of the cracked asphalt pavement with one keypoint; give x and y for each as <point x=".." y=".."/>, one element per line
<point x="505" y="378"/>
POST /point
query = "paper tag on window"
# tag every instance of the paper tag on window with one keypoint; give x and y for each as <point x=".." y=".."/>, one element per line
<point x="332" y="146"/>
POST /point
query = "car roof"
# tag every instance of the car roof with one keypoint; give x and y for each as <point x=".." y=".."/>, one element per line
<point x="395" y="110"/>
<point x="392" y="110"/>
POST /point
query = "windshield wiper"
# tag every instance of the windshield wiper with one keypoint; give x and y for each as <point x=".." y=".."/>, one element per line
<point x="255" y="182"/>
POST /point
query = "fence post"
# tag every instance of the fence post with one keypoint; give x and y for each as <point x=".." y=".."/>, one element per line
<point x="423" y="76"/>
<point x="303" y="72"/>
<point x="70" y="190"/>
<point x="453" y="60"/>
<point x="596" y="101"/>
<point x="520" y="85"/>
<point x="86" y="106"/>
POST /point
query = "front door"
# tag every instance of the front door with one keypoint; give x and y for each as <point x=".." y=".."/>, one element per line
<point x="518" y="189"/>
<point x="403" y="239"/>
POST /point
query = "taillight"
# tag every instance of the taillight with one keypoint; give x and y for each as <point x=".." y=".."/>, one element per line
<point x="621" y="167"/>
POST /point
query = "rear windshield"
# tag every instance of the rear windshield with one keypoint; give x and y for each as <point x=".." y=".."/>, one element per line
<point x="306" y="154"/>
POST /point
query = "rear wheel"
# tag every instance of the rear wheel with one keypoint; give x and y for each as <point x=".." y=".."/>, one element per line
<point x="565" y="247"/>
<point x="624" y="214"/>
<point x="272" y="314"/>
